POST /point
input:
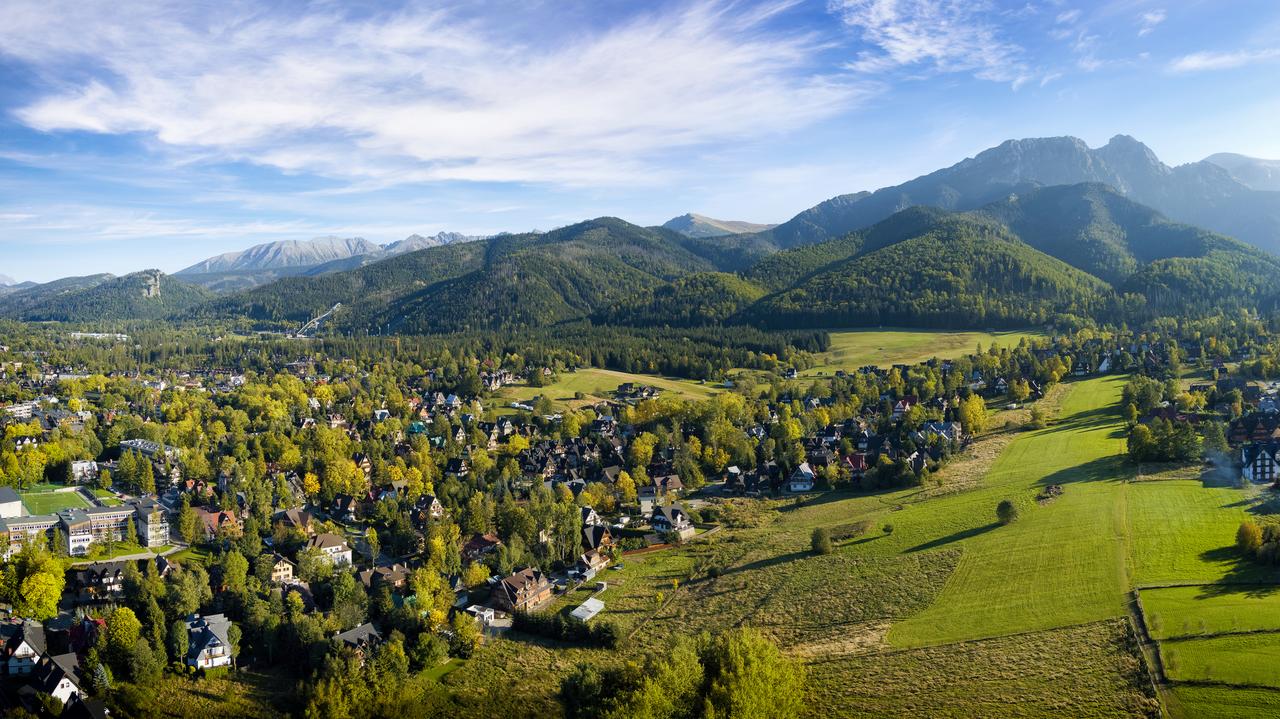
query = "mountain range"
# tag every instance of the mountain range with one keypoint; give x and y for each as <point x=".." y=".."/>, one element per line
<point x="1249" y="171"/>
<point x="1029" y="232"/>
<point x="695" y="225"/>
<point x="284" y="258"/>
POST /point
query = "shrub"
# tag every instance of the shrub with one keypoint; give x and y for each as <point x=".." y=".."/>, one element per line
<point x="1249" y="538"/>
<point x="821" y="541"/>
<point x="888" y="529"/>
<point x="1007" y="511"/>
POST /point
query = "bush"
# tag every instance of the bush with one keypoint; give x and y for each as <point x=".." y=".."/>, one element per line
<point x="1249" y="538"/>
<point x="1007" y="511"/>
<point x="888" y="529"/>
<point x="821" y="541"/>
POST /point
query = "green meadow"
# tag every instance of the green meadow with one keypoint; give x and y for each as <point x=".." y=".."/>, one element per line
<point x="851" y="349"/>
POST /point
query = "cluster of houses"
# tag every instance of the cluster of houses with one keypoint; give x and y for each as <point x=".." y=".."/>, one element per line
<point x="47" y="658"/>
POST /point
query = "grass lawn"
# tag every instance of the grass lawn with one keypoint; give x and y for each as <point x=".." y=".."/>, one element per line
<point x="50" y="502"/>
<point x="1061" y="563"/>
<point x="1083" y="671"/>
<point x="1249" y="659"/>
<point x="851" y="349"/>
<point x="1214" y="702"/>
<point x="598" y="384"/>
<point x="1211" y="609"/>
<point x="1183" y="531"/>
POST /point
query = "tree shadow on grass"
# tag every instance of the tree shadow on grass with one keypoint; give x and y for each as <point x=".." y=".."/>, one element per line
<point x="766" y="563"/>
<point x="1243" y="576"/>
<point x="954" y="537"/>
<point x="1103" y="469"/>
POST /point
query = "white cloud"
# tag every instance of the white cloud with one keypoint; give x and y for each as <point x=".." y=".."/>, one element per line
<point x="938" y="35"/>
<point x="1068" y="17"/>
<point x="1198" y="61"/>
<point x="1149" y="21"/>
<point x="419" y="94"/>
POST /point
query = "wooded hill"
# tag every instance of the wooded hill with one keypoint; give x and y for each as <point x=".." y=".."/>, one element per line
<point x="1066" y="254"/>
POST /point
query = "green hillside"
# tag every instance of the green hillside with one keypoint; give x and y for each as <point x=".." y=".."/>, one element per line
<point x="962" y="272"/>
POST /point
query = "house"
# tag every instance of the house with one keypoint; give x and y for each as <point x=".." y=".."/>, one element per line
<point x="59" y="677"/>
<point x="590" y="518"/>
<point x="1259" y="461"/>
<point x="344" y="508"/>
<point x="213" y="520"/>
<point x="360" y="639"/>
<point x="597" y="536"/>
<point x="333" y="547"/>
<point x="524" y="590"/>
<point x="84" y="471"/>
<point x="396" y="577"/>
<point x="591" y="562"/>
<point x="458" y="467"/>
<point x="803" y="479"/>
<point x="208" y="641"/>
<point x="296" y="519"/>
<point x="24" y="647"/>
<point x="671" y="519"/>
<point x="480" y="546"/>
<point x="281" y="570"/>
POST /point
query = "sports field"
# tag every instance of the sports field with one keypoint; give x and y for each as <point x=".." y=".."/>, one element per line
<point x="851" y="349"/>
<point x="50" y="502"/>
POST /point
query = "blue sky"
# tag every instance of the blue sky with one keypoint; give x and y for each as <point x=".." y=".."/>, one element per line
<point x="144" y="134"/>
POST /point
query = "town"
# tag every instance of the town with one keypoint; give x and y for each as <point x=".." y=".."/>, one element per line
<point x="371" y="518"/>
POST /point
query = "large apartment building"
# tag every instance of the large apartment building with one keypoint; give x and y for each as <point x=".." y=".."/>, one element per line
<point x="81" y="527"/>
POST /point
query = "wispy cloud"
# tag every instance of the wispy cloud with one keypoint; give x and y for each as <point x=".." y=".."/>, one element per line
<point x="1201" y="61"/>
<point x="420" y="94"/>
<point x="936" y="35"/>
<point x="1068" y="17"/>
<point x="1149" y="20"/>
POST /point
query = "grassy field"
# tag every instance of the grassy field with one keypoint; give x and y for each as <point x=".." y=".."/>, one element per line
<point x="851" y="349"/>
<point x="1182" y="531"/>
<point x="599" y="384"/>
<point x="241" y="694"/>
<point x="1247" y="659"/>
<point x="1194" y="611"/>
<point x="49" y="502"/>
<point x="1083" y="671"/>
<point x="1061" y="563"/>
<point x="1216" y="702"/>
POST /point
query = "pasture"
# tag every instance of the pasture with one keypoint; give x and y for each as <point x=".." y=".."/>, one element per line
<point x="598" y="384"/>
<point x="1243" y="659"/>
<point x="1197" y="611"/>
<point x="851" y="349"/>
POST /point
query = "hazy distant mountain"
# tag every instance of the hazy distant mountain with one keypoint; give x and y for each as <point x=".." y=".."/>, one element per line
<point x="695" y="225"/>
<point x="271" y="261"/>
<point x="413" y="243"/>
<point x="284" y="253"/>
<point x="1252" y="172"/>
<point x="1200" y="193"/>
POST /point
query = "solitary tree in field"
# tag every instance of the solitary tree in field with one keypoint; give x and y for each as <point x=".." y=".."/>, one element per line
<point x="1007" y="511"/>
<point x="821" y="541"/>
